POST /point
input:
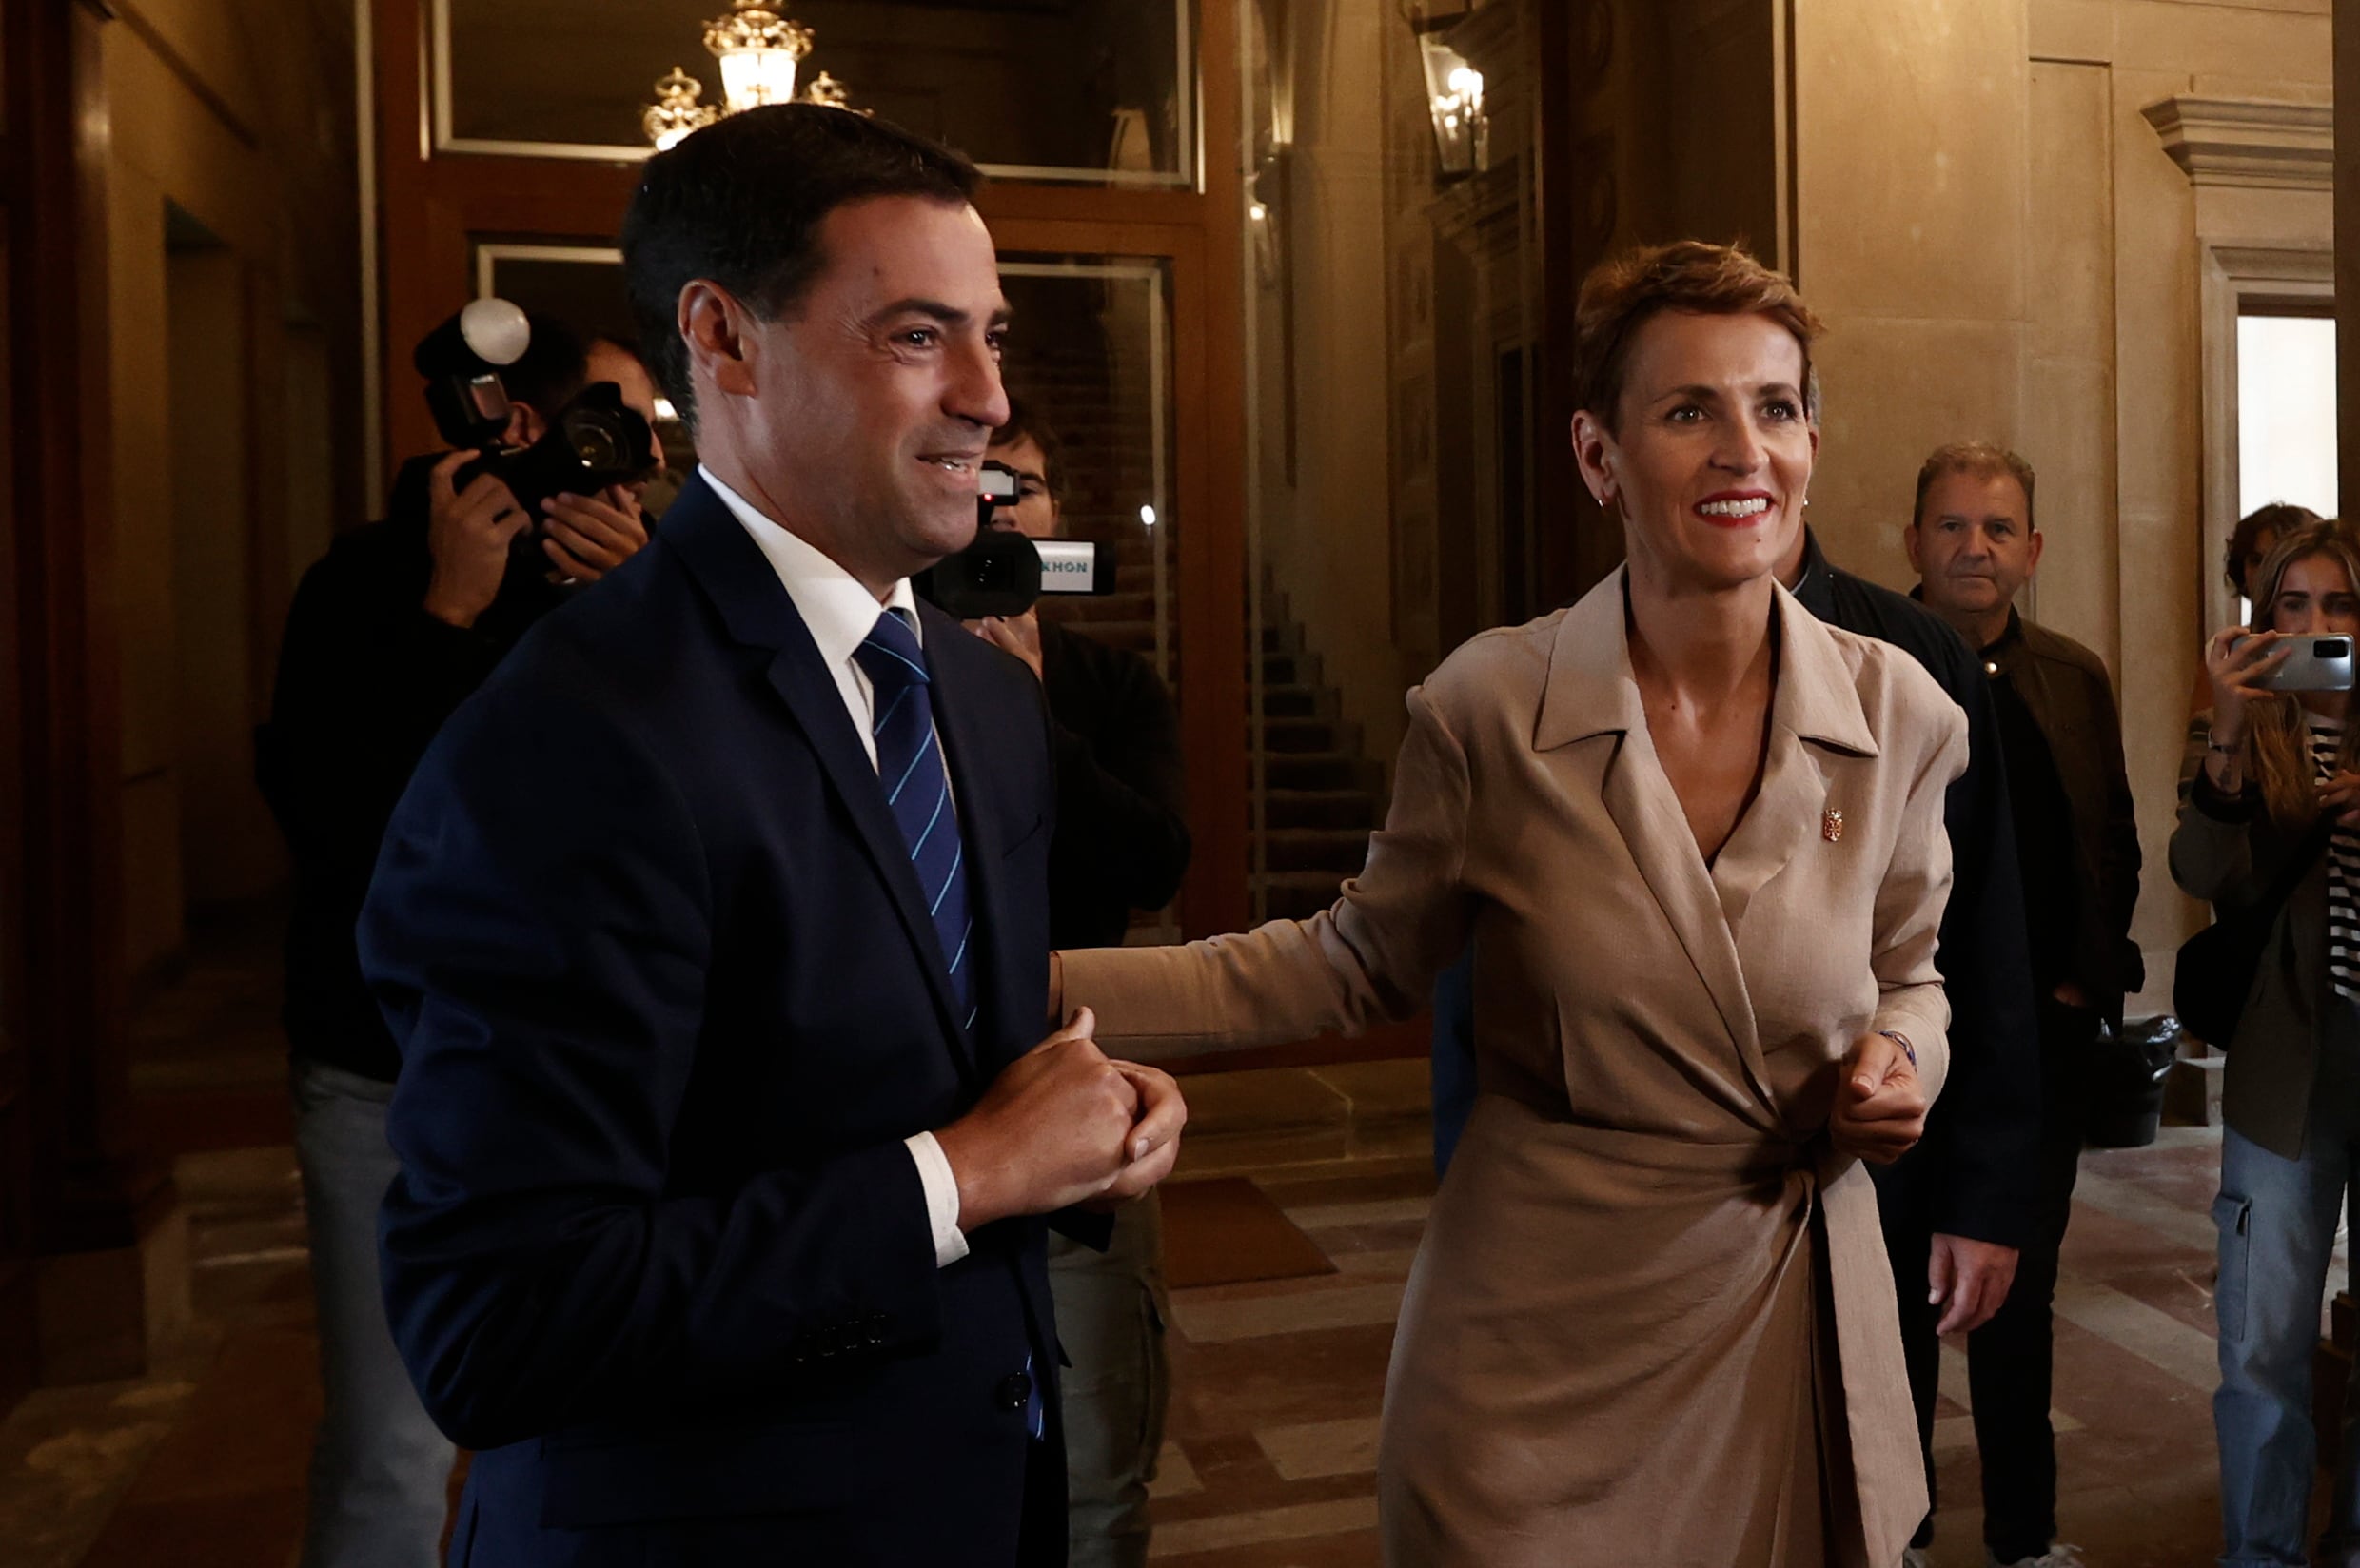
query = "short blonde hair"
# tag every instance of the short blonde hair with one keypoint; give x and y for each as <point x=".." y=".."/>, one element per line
<point x="1624" y="293"/>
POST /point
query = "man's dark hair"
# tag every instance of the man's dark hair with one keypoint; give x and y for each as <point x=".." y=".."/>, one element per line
<point x="553" y="368"/>
<point x="1984" y="461"/>
<point x="1026" y="424"/>
<point x="623" y="343"/>
<point x="740" y="202"/>
<point x="2275" y="520"/>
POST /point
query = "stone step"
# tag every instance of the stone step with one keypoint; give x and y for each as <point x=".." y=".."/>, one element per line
<point x="1290" y="670"/>
<point x="1334" y="809"/>
<point x="1296" y="896"/>
<point x="1309" y="736"/>
<point x="1335" y="772"/>
<point x="1295" y="702"/>
<point x="1337" y="851"/>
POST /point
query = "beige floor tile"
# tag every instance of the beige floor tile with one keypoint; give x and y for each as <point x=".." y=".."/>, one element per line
<point x="2153" y="1336"/>
<point x="1321" y="1448"/>
<point x="1174" y="1476"/>
<point x="1295" y="1523"/>
<point x="1351" y="1306"/>
<point x="1382" y="1211"/>
<point x="2127" y="1200"/>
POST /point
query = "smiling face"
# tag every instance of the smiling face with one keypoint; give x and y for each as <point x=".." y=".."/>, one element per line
<point x="1711" y="452"/>
<point x="859" y="416"/>
<point x="1973" y="543"/>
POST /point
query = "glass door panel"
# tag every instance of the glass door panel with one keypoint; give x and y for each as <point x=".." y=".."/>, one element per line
<point x="1091" y="356"/>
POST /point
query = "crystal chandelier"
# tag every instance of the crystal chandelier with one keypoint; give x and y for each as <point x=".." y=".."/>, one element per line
<point x="759" y="52"/>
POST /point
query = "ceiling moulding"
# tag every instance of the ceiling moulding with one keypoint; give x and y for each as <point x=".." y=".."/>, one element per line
<point x="2249" y="142"/>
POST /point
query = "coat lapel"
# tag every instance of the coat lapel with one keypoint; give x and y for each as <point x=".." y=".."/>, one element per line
<point x="1591" y="693"/>
<point x="758" y="613"/>
<point x="1815" y="707"/>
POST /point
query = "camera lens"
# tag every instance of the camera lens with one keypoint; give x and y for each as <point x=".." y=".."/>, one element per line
<point x="2331" y="648"/>
<point x="596" y="445"/>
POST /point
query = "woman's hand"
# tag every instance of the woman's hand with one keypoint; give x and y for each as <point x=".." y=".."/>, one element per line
<point x="2236" y="662"/>
<point x="1880" y="1107"/>
<point x="2341" y="795"/>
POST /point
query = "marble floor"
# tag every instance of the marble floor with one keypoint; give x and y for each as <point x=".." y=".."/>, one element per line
<point x="1271" y="1438"/>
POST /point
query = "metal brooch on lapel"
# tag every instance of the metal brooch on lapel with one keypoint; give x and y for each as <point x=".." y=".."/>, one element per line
<point x="1831" y="826"/>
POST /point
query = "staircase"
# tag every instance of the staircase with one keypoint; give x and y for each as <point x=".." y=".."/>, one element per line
<point x="1321" y="795"/>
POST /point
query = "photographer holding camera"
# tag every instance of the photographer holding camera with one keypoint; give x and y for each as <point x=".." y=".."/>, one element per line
<point x="1121" y="844"/>
<point x="389" y="633"/>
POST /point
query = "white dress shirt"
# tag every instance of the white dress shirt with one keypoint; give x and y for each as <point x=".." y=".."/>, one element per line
<point x="840" y="613"/>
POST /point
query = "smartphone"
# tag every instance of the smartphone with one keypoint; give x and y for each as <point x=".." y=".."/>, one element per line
<point x="2313" y="664"/>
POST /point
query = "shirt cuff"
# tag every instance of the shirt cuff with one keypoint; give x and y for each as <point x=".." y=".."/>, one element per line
<point x="942" y="1197"/>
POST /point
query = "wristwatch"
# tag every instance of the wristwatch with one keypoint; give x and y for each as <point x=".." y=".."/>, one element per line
<point x="1902" y="1040"/>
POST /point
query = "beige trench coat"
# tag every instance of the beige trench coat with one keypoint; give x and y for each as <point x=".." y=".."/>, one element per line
<point x="1652" y="1320"/>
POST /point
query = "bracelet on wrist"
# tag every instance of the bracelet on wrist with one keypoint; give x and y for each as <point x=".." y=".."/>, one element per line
<point x="1902" y="1040"/>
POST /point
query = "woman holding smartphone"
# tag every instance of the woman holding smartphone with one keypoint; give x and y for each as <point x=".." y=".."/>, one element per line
<point x="2271" y="773"/>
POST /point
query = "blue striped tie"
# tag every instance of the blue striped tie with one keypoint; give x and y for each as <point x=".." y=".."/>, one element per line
<point x="917" y="786"/>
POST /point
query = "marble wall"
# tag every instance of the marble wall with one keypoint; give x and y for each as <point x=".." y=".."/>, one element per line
<point x="2006" y="247"/>
<point x="230" y="219"/>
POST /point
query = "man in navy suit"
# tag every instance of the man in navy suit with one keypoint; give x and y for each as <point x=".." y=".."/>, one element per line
<point x="713" y="930"/>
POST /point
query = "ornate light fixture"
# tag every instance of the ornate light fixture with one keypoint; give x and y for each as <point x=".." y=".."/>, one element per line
<point x="759" y="51"/>
<point x="1454" y="91"/>
<point x="676" y="110"/>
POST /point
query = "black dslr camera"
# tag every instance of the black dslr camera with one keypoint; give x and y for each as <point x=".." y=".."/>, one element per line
<point x="1003" y="572"/>
<point x="595" y="440"/>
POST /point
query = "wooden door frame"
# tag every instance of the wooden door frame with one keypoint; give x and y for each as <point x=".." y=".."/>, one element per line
<point x="431" y="204"/>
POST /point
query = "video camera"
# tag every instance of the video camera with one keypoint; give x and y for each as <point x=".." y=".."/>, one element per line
<point x="1004" y="573"/>
<point x="595" y="440"/>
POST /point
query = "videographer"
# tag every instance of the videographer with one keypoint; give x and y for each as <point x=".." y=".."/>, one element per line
<point x="388" y="634"/>
<point x="1121" y="844"/>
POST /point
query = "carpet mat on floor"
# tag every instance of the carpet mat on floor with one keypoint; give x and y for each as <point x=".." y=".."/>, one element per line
<point x="1224" y="1230"/>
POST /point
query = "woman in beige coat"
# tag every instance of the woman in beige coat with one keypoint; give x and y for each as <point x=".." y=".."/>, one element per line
<point x="1697" y="838"/>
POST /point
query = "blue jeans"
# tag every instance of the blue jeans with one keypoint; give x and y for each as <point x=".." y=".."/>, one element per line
<point x="1111" y="1316"/>
<point x="2277" y="1232"/>
<point x="380" y="1469"/>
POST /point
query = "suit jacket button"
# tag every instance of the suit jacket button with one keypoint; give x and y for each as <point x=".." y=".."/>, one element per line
<point x="1013" y="1390"/>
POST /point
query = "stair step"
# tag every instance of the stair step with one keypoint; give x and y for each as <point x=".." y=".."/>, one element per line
<point x="1336" y="851"/>
<point x="1332" y="772"/>
<point x="1290" y="668"/>
<point x="1296" y="896"/>
<point x="1353" y="809"/>
<point x="1308" y="736"/>
<point x="1292" y="701"/>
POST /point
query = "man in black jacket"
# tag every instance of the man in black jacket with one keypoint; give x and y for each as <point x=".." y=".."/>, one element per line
<point x="1958" y="1208"/>
<point x="1121" y="844"/>
<point x="400" y="622"/>
<point x="1974" y="545"/>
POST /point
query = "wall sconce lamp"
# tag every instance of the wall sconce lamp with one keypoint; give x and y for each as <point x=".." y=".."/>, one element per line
<point x="760" y="53"/>
<point x="1455" y="90"/>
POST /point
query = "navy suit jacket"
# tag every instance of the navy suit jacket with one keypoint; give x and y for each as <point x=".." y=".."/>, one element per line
<point x="669" y="1001"/>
